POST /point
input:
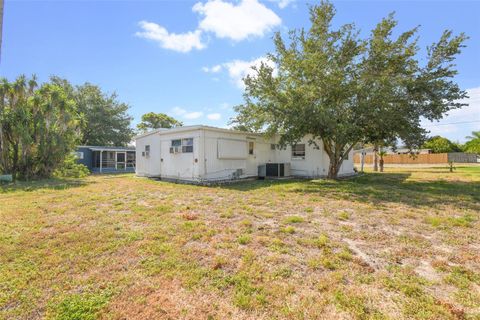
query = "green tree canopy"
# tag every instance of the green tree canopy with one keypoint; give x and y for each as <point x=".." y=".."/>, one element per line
<point x="154" y="120"/>
<point x="107" y="122"/>
<point x="105" y="119"/>
<point x="339" y="89"/>
<point x="440" y="144"/>
<point x="473" y="144"/>
<point x="39" y="127"/>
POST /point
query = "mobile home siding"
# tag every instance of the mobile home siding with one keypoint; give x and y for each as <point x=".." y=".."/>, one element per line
<point x="161" y="162"/>
<point x="216" y="167"/>
<point x="218" y="154"/>
<point x="148" y="165"/>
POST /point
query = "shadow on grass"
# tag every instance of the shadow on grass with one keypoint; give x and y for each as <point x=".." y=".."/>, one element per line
<point x="251" y="185"/>
<point x="52" y="184"/>
<point x="378" y="188"/>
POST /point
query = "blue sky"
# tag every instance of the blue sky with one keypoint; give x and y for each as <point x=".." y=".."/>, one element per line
<point x="187" y="58"/>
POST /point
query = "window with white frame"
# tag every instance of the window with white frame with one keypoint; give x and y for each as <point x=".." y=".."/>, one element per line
<point x="182" y="145"/>
<point x="187" y="145"/>
<point x="147" y="151"/>
<point x="298" y="151"/>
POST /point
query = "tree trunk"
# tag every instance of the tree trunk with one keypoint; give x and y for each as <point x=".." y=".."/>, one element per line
<point x="375" y="158"/>
<point x="336" y="154"/>
<point x="362" y="161"/>
<point x="381" y="164"/>
<point x="15" y="162"/>
<point x="3" y="163"/>
<point x="333" y="169"/>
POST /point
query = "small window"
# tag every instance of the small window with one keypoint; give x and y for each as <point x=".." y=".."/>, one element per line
<point x="182" y="145"/>
<point x="251" y="146"/>
<point x="187" y="142"/>
<point x="147" y="150"/>
<point x="187" y="145"/>
<point x="79" y="155"/>
<point x="298" y="151"/>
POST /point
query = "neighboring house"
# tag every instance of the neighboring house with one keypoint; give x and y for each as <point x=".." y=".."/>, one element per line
<point x="104" y="159"/>
<point x="203" y="153"/>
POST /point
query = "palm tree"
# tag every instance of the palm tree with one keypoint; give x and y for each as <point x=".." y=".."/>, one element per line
<point x="475" y="135"/>
<point x="381" y="154"/>
<point x="473" y="144"/>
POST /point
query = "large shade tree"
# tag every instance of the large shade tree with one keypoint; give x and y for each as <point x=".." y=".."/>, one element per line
<point x="339" y="89"/>
<point x="154" y="120"/>
<point x="106" y="121"/>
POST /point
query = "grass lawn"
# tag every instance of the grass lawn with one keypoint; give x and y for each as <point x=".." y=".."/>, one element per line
<point x="404" y="244"/>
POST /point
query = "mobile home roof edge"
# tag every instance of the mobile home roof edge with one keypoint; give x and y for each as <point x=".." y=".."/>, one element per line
<point x="191" y="128"/>
<point x="108" y="148"/>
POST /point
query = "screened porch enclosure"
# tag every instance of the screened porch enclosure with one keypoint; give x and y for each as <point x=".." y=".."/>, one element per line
<point x="113" y="161"/>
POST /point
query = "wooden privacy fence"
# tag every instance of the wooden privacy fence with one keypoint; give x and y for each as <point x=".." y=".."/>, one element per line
<point x="431" y="158"/>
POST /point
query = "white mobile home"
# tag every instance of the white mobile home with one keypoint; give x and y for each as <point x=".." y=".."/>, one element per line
<point x="203" y="153"/>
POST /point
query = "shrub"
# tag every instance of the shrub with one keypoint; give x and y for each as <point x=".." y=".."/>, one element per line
<point x="71" y="169"/>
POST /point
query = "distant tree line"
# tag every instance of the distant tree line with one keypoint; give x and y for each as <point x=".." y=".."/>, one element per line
<point x="152" y="120"/>
<point x="440" y="144"/>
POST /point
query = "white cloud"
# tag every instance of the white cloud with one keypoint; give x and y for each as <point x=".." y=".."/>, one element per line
<point x="215" y="69"/>
<point x="193" y="115"/>
<point x="470" y="112"/>
<point x="179" y="111"/>
<point x="458" y="123"/>
<point x="189" y="115"/>
<point x="214" y="116"/>
<point x="182" y="42"/>
<point x="239" y="69"/>
<point x="282" y="4"/>
<point x="236" y="21"/>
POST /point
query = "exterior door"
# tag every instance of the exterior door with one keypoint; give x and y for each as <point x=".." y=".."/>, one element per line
<point x="121" y="160"/>
<point x="252" y="169"/>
